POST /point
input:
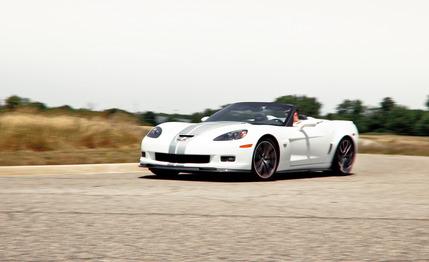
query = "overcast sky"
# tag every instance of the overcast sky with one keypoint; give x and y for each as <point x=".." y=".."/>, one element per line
<point x="184" y="56"/>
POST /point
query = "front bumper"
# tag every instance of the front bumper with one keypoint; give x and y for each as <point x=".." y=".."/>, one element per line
<point x="194" y="169"/>
<point x="198" y="147"/>
<point x="241" y="164"/>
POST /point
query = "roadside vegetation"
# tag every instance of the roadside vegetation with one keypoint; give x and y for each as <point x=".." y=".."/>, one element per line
<point x="34" y="139"/>
<point x="394" y="145"/>
<point x="32" y="133"/>
<point x="386" y="118"/>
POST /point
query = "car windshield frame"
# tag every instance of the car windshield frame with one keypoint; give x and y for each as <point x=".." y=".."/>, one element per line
<point x="255" y="113"/>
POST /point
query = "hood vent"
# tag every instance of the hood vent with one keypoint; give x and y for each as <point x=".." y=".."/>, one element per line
<point x="186" y="135"/>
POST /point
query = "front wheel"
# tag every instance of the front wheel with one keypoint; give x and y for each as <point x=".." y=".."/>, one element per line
<point x="265" y="159"/>
<point x="163" y="172"/>
<point x="344" y="157"/>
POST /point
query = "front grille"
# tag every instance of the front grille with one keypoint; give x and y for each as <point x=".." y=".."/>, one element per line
<point x="173" y="158"/>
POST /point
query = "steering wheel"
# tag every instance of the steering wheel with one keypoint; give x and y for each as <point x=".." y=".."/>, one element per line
<point x="279" y="121"/>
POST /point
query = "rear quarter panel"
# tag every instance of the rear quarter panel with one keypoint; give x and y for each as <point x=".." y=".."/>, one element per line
<point x="342" y="129"/>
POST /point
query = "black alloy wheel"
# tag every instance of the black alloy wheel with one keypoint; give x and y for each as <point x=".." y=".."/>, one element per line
<point x="344" y="157"/>
<point x="265" y="159"/>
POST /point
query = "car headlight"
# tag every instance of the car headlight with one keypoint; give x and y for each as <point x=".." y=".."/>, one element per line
<point x="155" y="132"/>
<point x="234" y="135"/>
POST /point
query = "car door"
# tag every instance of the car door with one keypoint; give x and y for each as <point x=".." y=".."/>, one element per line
<point x="298" y="146"/>
<point x="308" y="143"/>
<point x="318" y="145"/>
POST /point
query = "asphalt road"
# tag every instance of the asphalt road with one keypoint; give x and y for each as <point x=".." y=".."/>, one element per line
<point x="380" y="213"/>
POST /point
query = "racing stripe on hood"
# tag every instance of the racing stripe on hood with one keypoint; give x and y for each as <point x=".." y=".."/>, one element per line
<point x="173" y="143"/>
<point x="204" y="127"/>
<point x="180" y="146"/>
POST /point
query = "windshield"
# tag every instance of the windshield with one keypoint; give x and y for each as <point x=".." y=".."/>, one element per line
<point x="254" y="113"/>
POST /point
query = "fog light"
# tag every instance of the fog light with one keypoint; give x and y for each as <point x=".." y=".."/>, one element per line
<point x="227" y="158"/>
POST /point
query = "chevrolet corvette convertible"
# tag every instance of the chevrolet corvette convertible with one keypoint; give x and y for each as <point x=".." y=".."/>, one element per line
<point x="258" y="138"/>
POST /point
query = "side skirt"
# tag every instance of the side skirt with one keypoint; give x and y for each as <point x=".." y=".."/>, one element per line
<point x="303" y="170"/>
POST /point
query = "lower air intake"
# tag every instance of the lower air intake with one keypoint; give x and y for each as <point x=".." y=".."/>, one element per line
<point x="175" y="158"/>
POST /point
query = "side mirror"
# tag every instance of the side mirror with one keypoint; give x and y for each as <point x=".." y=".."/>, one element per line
<point x="204" y="118"/>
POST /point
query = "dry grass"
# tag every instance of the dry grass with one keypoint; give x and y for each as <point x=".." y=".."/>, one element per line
<point x="68" y="157"/>
<point x="41" y="133"/>
<point x="394" y="145"/>
<point x="38" y="139"/>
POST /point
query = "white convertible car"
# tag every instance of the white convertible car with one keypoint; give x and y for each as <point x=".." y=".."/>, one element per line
<point x="252" y="137"/>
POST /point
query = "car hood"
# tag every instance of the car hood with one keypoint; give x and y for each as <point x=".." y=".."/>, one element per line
<point x="177" y="137"/>
<point x="188" y="129"/>
<point x="209" y="127"/>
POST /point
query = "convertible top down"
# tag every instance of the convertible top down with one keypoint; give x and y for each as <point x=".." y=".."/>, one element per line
<point x="253" y="137"/>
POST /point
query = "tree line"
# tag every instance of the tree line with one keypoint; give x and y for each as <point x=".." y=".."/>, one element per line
<point x="387" y="117"/>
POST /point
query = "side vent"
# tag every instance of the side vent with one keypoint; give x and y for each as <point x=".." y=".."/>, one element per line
<point x="330" y="148"/>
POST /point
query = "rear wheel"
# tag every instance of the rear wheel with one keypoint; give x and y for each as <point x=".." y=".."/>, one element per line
<point x="265" y="159"/>
<point x="344" y="157"/>
<point x="163" y="172"/>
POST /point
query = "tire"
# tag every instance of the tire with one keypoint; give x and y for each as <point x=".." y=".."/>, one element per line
<point x="265" y="159"/>
<point x="163" y="172"/>
<point x="344" y="157"/>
